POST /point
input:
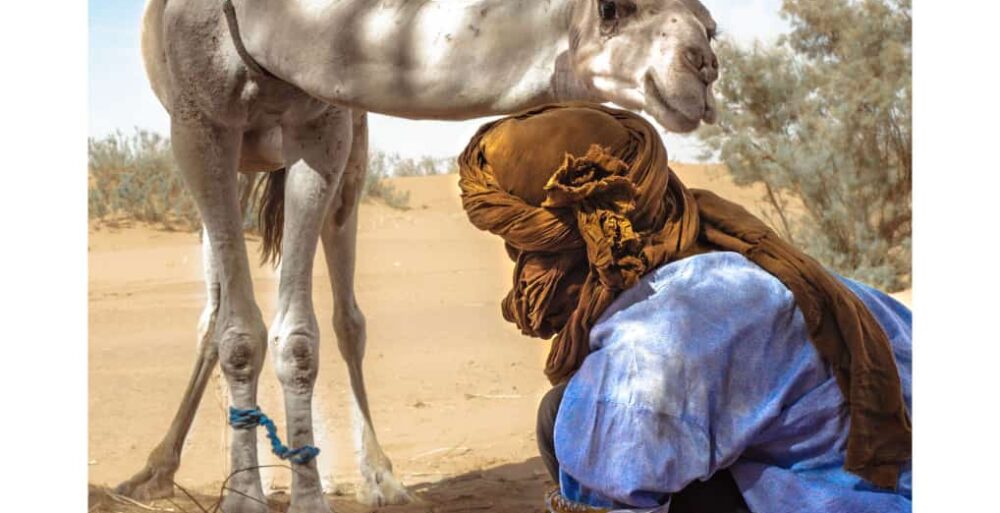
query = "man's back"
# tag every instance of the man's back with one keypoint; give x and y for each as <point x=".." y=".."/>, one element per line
<point x="706" y="364"/>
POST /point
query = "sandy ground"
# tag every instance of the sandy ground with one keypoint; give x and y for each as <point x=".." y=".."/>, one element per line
<point x="453" y="387"/>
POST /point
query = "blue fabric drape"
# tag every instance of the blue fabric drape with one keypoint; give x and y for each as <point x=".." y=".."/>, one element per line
<point x="706" y="364"/>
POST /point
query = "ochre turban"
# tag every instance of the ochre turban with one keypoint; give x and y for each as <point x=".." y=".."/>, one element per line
<point x="586" y="203"/>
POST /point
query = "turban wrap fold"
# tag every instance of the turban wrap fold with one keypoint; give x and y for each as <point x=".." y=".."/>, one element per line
<point x="586" y="203"/>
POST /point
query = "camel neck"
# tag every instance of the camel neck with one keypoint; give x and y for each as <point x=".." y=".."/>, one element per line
<point x="446" y="59"/>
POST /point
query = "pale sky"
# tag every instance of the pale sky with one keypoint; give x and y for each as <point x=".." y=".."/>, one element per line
<point x="120" y="97"/>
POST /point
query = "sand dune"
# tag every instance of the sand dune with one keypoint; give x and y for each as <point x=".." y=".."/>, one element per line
<point x="453" y="387"/>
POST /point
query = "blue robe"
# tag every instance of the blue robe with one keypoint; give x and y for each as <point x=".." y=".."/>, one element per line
<point x="706" y="364"/>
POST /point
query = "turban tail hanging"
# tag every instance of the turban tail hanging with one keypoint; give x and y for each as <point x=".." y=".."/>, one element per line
<point x="584" y="198"/>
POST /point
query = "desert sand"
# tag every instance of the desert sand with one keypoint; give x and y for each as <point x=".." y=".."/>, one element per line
<point x="453" y="387"/>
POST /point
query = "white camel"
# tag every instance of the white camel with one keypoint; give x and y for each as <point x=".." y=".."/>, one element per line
<point x="286" y="85"/>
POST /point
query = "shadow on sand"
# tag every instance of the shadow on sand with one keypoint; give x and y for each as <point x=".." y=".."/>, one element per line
<point x="509" y="488"/>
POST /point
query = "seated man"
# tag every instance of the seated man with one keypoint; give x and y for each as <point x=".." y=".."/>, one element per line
<point x="700" y="362"/>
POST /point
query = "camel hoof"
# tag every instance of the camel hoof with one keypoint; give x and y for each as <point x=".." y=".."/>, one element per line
<point x="152" y="482"/>
<point x="314" y="503"/>
<point x="244" y="503"/>
<point x="381" y="488"/>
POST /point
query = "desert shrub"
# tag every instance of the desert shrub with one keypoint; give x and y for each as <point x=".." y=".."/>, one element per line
<point x="135" y="177"/>
<point x="822" y="119"/>
<point x="423" y="166"/>
<point x="378" y="187"/>
<point x="382" y="165"/>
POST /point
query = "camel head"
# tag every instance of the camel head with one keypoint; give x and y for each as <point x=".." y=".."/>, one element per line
<point x="649" y="55"/>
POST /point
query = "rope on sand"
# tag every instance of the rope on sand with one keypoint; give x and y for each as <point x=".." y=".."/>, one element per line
<point x="251" y="418"/>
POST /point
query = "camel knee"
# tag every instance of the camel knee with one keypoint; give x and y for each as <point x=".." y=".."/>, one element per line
<point x="349" y="325"/>
<point x="297" y="361"/>
<point x="241" y="352"/>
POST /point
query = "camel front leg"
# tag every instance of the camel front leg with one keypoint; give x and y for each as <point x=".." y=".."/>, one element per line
<point x="207" y="155"/>
<point x="156" y="479"/>
<point x="315" y="154"/>
<point x="339" y="244"/>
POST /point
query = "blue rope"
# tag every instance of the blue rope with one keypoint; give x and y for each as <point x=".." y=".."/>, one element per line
<point x="249" y="419"/>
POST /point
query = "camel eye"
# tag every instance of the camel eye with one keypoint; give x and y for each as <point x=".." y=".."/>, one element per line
<point x="608" y="10"/>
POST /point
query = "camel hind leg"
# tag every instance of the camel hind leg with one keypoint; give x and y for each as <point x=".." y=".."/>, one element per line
<point x="156" y="479"/>
<point x="339" y="244"/>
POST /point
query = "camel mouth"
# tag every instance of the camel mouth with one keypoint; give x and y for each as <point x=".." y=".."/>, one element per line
<point x="676" y="118"/>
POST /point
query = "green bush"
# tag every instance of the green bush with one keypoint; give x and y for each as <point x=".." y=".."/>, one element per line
<point x="823" y="120"/>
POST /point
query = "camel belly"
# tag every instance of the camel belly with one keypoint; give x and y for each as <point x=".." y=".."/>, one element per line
<point x="195" y="78"/>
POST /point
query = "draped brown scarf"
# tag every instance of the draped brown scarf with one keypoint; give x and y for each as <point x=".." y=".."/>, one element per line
<point x="584" y="198"/>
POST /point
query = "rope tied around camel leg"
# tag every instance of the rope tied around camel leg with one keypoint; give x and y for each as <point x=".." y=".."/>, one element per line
<point x="253" y="417"/>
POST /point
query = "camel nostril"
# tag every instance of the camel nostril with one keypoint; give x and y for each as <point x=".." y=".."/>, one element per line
<point x="710" y="75"/>
<point x="703" y="62"/>
<point x="694" y="57"/>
